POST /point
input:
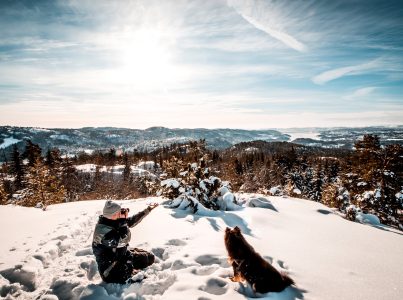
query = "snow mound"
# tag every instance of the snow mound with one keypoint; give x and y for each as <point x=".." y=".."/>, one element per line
<point x="170" y="183"/>
<point x="26" y="275"/>
<point x="261" y="202"/>
<point x="367" y="218"/>
<point x="227" y="201"/>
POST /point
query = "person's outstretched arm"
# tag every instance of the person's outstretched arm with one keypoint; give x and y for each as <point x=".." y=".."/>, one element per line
<point x="137" y="218"/>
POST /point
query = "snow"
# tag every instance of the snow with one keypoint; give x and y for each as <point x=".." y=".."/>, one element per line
<point x="262" y="202"/>
<point x="275" y="191"/>
<point x="60" y="137"/>
<point x="89" y="151"/>
<point x="368" y="194"/>
<point x="47" y="254"/>
<point x="170" y="182"/>
<point x="8" y="142"/>
<point x="118" y="169"/>
<point x="297" y="191"/>
<point x="146" y="165"/>
<point x="306" y="133"/>
<point x="86" y="168"/>
<point x="228" y="200"/>
<point x="223" y="190"/>
<point x="367" y="218"/>
<point x="251" y="149"/>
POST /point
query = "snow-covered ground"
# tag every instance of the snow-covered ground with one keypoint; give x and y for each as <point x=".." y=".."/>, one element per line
<point x="118" y="169"/>
<point x="8" y="141"/>
<point x="303" y="133"/>
<point x="47" y="254"/>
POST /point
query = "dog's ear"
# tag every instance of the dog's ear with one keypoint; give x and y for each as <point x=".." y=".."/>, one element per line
<point x="237" y="229"/>
<point x="227" y="230"/>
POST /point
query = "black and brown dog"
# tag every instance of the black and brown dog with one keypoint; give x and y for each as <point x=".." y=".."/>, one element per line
<point x="250" y="266"/>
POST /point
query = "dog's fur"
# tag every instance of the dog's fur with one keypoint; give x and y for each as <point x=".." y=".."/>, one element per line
<point x="250" y="266"/>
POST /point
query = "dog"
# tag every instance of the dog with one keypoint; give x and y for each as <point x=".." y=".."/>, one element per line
<point x="250" y="266"/>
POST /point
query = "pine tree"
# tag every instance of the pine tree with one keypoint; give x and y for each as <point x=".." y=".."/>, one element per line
<point x="111" y="157"/>
<point x="32" y="152"/>
<point x="317" y="183"/>
<point x="238" y="167"/>
<point x="42" y="187"/>
<point x="127" y="169"/>
<point x="17" y="168"/>
<point x="3" y="194"/>
<point x="70" y="180"/>
<point x="330" y="195"/>
<point x="53" y="158"/>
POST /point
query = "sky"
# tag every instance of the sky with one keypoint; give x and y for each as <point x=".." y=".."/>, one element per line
<point x="201" y="64"/>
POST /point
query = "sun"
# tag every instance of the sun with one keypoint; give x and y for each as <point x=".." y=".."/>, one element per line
<point x="145" y="60"/>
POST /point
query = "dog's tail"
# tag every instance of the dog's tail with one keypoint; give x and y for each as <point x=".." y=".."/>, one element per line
<point x="287" y="280"/>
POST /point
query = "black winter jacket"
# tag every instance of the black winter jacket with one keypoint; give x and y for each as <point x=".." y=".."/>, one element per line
<point x="111" y="239"/>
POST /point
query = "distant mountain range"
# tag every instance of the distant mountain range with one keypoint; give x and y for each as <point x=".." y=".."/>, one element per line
<point x="89" y="138"/>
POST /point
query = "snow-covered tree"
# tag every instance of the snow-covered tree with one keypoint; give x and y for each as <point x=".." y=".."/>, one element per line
<point x="379" y="168"/>
<point x="42" y="187"/>
<point x="335" y="195"/>
<point x="195" y="190"/>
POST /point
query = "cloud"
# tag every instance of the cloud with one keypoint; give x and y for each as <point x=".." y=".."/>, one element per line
<point x="362" y="92"/>
<point x="281" y="36"/>
<point x="330" y="75"/>
<point x="256" y="15"/>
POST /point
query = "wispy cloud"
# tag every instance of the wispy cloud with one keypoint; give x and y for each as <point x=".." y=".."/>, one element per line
<point x="330" y="75"/>
<point x="257" y="16"/>
<point x="281" y="36"/>
<point x="361" y="92"/>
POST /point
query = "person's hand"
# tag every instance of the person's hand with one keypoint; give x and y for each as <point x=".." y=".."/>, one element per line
<point x="152" y="206"/>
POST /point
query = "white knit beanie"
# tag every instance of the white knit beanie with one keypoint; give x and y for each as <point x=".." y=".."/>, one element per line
<point x="110" y="208"/>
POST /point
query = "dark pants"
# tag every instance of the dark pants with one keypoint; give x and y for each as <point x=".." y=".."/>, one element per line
<point x="140" y="258"/>
<point x="133" y="261"/>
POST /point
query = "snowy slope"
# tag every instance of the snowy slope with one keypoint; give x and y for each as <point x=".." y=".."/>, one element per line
<point x="47" y="254"/>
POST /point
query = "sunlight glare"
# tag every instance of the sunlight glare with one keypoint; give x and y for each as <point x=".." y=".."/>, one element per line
<point x="146" y="61"/>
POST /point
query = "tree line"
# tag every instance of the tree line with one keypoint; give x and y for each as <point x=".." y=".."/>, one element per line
<point x="368" y="178"/>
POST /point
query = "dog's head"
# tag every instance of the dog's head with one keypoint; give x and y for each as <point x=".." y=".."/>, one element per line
<point x="237" y="246"/>
<point x="232" y="234"/>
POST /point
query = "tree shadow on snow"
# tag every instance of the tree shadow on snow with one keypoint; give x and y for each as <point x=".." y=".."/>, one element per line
<point x="262" y="202"/>
<point x="385" y="228"/>
<point x="230" y="219"/>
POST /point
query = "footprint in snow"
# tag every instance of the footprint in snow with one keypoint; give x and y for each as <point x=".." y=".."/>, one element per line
<point x="282" y="264"/>
<point x="176" y="242"/>
<point x="205" y="270"/>
<point x="180" y="264"/>
<point x="215" y="286"/>
<point x="207" y="260"/>
<point x="158" y="252"/>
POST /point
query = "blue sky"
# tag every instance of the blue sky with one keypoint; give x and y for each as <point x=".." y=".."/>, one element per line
<point x="212" y="64"/>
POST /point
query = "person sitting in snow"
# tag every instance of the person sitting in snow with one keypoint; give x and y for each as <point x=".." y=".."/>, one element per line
<point x="116" y="262"/>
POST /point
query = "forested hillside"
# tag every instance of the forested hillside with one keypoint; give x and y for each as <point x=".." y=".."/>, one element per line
<point x="368" y="179"/>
